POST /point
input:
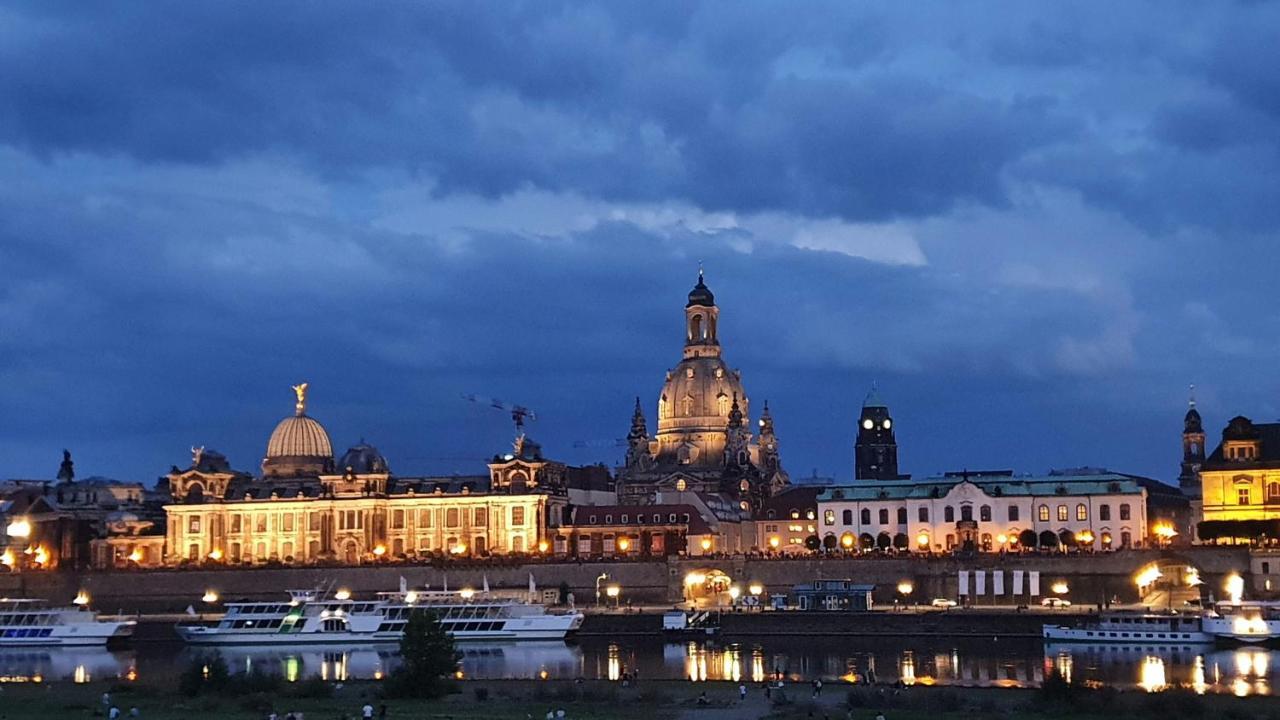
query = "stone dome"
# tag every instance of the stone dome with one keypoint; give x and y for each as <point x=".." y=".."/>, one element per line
<point x="363" y="459"/>
<point x="299" y="445"/>
<point x="299" y="436"/>
<point x="694" y="407"/>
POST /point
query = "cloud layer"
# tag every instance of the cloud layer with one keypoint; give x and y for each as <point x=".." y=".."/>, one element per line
<point x="1032" y="226"/>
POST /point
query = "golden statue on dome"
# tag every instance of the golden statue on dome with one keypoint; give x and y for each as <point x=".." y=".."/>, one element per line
<point x="301" y="392"/>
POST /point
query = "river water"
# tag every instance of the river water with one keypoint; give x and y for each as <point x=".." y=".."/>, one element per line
<point x="996" y="663"/>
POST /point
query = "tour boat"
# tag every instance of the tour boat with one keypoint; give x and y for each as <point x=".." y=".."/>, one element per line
<point x="26" y="622"/>
<point x="1248" y="622"/>
<point x="311" y="616"/>
<point x="1134" y="628"/>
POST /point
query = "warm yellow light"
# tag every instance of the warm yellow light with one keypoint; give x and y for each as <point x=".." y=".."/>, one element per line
<point x="410" y="597"/>
<point x="1002" y="538"/>
<point x="694" y="578"/>
<point x="41" y="556"/>
<point x="734" y="591"/>
<point x="1234" y="586"/>
<point x="458" y="675"/>
<point x="905" y="587"/>
<point x="82" y="598"/>
<point x="755" y="588"/>
<point x="342" y="594"/>
<point x="7" y="558"/>
<point x="136" y="555"/>
<point x="467" y="593"/>
<point x="542" y="674"/>
<point x="1193" y="577"/>
<point x="542" y="546"/>
<point x="1085" y="537"/>
<point x="1059" y="588"/>
<point x="215" y="555"/>
<point x="20" y="528"/>
<point x="922" y="540"/>
<point x="1147" y="576"/>
<point x="846" y="540"/>
<point x="774" y="542"/>
<point x="624" y="544"/>
<point x="458" y="549"/>
<point x="210" y="596"/>
<point x="1164" y="531"/>
<point x="612" y="591"/>
<point x="706" y="543"/>
<point x="379" y="550"/>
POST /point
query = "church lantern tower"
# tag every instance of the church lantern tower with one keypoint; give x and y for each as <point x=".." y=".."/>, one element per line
<point x="876" y="449"/>
<point x="1192" y="450"/>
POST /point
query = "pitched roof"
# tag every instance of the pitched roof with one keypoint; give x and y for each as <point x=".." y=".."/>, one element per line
<point x="993" y="485"/>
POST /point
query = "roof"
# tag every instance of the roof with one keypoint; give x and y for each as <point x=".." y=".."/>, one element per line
<point x="925" y="488"/>
<point x="1241" y="428"/>
<point x="637" y="514"/>
<point x="443" y="484"/>
<point x="796" y="497"/>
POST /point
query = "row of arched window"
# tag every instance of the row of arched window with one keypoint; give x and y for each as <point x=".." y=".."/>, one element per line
<point x="985" y="513"/>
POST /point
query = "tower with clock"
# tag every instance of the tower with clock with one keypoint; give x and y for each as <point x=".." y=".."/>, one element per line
<point x="876" y="450"/>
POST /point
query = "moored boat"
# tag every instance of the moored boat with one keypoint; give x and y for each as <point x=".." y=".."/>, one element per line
<point x="1245" y="622"/>
<point x="313" y="617"/>
<point x="1133" y="628"/>
<point x="25" y="622"/>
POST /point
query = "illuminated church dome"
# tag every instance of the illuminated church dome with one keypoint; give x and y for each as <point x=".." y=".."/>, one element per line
<point x="299" y="445"/>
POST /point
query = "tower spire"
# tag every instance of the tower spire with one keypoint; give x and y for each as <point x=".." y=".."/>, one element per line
<point x="1191" y="396"/>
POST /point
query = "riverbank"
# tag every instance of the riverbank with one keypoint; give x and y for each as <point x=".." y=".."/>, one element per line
<point x="648" y="700"/>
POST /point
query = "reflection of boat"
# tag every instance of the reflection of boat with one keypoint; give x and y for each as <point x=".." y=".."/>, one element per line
<point x="78" y="664"/>
<point x="374" y="661"/>
<point x="1137" y="629"/>
<point x="1250" y="622"/>
<point x="311" y="618"/>
<point x="31" y="622"/>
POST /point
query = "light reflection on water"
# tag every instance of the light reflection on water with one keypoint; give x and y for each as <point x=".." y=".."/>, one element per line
<point x="1204" y="669"/>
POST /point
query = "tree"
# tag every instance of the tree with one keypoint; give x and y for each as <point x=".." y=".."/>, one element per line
<point x="427" y="658"/>
<point x="1028" y="539"/>
<point x="812" y="543"/>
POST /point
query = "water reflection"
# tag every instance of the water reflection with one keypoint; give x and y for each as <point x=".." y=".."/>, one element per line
<point x="1202" y="668"/>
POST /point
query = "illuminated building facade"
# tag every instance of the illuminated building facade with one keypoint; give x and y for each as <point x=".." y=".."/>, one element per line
<point x="986" y="512"/>
<point x="704" y="445"/>
<point x="1240" y="480"/>
<point x="307" y="507"/>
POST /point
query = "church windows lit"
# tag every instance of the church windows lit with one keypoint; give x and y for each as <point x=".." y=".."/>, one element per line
<point x="829" y="517"/>
<point x="1062" y="513"/>
<point x="1044" y="513"/>
<point x="1082" y="512"/>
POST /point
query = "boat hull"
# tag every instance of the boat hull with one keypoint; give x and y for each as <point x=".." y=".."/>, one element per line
<point x="549" y="627"/>
<point x="75" y="635"/>
<point x="1061" y="634"/>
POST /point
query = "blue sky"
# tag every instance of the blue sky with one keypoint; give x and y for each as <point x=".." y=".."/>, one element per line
<point x="1032" y="224"/>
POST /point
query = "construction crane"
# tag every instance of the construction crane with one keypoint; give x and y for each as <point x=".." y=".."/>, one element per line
<point x="616" y="442"/>
<point x="519" y="413"/>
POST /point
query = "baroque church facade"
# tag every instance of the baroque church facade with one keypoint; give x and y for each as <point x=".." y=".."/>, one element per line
<point x="704" y="448"/>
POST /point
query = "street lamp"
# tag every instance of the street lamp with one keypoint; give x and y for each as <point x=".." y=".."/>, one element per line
<point x="706" y="544"/>
<point x="82" y="598"/>
<point x="467" y="593"/>
<point x="1164" y="532"/>
<point x="734" y="592"/>
<point x="542" y="546"/>
<point x="1085" y="537"/>
<point x="379" y="550"/>
<point x="215" y="554"/>
<point x="624" y="544"/>
<point x="922" y="541"/>
<point x="613" y="591"/>
<point x="210" y="596"/>
<point x="600" y="579"/>
<point x="20" y="528"/>
<point x="1059" y="588"/>
<point x="342" y="594"/>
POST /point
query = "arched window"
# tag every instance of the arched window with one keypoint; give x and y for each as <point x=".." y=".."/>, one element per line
<point x="948" y="514"/>
<point x="1104" y="512"/>
<point x="1082" y="512"/>
<point x="902" y="516"/>
<point x="1124" y="511"/>
<point x="847" y="516"/>
<point x="829" y="517"/>
<point x="984" y="513"/>
<point x="866" y="516"/>
<point x="966" y="513"/>
<point x="884" y="516"/>
<point x="1044" y="513"/>
<point x="1062" y="513"/>
<point x="722" y="404"/>
<point x="923" y="514"/>
<point x="1273" y="491"/>
<point x="1013" y="513"/>
<point x="695" y="328"/>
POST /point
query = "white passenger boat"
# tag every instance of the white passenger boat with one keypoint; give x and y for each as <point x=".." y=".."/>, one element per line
<point x="1247" y="622"/>
<point x="315" y="617"/>
<point x="32" y="622"/>
<point x="1133" y="628"/>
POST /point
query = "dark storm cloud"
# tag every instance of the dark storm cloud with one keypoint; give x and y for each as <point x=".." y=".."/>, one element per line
<point x="1033" y="224"/>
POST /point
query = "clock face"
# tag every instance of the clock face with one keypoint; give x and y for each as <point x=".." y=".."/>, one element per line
<point x="888" y="423"/>
<point x="868" y="424"/>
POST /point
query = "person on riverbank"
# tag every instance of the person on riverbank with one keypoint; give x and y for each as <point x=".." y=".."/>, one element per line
<point x="742" y="692"/>
<point x="366" y="712"/>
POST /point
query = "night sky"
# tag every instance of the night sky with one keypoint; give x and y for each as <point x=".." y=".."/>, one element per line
<point x="1031" y="224"/>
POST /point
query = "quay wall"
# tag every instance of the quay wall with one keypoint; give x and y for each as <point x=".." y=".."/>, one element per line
<point x="1092" y="578"/>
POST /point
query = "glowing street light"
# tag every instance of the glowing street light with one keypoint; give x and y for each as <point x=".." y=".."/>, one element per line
<point x="136" y="555"/>
<point x="410" y="597"/>
<point x="847" y="540"/>
<point x="1059" y="588"/>
<point x="41" y="556"/>
<point x="905" y="587"/>
<point x="624" y="544"/>
<point x="467" y="593"/>
<point x="210" y="596"/>
<point x="8" y="559"/>
<point x="1164" y="532"/>
<point x="82" y="598"/>
<point x="706" y="544"/>
<point x="774" y="542"/>
<point x="20" y="528"/>
<point x="379" y="550"/>
<point x="613" y="591"/>
<point x="1085" y="537"/>
<point x="734" y="592"/>
<point x="1001" y="539"/>
<point x="342" y="594"/>
<point x="922" y="540"/>
<point x="215" y="554"/>
<point x="1234" y="585"/>
<point x="542" y="546"/>
<point x="755" y="589"/>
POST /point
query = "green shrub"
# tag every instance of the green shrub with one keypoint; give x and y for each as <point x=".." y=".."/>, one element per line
<point x="313" y="687"/>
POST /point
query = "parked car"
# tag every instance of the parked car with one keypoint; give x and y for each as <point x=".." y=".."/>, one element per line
<point x="943" y="603"/>
<point x="1053" y="602"/>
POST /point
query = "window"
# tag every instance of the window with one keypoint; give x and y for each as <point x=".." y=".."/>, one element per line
<point x="480" y="517"/>
<point x="829" y="517"/>
<point x="1013" y="513"/>
<point x="193" y="524"/>
<point x="397" y="519"/>
<point x="260" y="523"/>
<point x="884" y="516"/>
<point x="1273" y="491"/>
<point x="1062" y="513"/>
<point x="288" y="524"/>
<point x="452" y="518"/>
<point x="966" y="513"/>
<point x="314" y="520"/>
<point x="1104" y="512"/>
<point x="235" y="522"/>
<point x="902" y="516"/>
<point x="984" y="513"/>
<point x="866" y="516"/>
<point x="1082" y="512"/>
<point x="923" y="514"/>
<point x="948" y="514"/>
<point x="517" y="516"/>
<point x="1124" y="512"/>
<point x="426" y="518"/>
<point x="1242" y="496"/>
<point x="1044" y="513"/>
<point x="1125" y="537"/>
<point x="847" y="515"/>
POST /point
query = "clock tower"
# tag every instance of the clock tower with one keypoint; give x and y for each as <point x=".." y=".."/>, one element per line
<point x="876" y="450"/>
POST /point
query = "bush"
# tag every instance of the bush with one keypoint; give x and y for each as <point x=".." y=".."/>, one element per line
<point x="428" y="659"/>
<point x="1056" y="690"/>
<point x="205" y="673"/>
<point x="313" y="687"/>
<point x="482" y="694"/>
